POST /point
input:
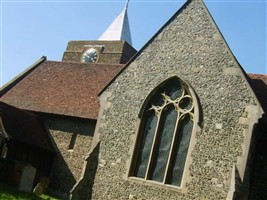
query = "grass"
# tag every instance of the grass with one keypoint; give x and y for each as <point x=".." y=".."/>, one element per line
<point x="8" y="192"/>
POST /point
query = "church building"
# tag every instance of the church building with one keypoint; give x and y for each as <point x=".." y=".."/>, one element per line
<point x="178" y="119"/>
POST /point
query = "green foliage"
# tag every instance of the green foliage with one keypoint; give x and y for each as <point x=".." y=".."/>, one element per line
<point x="8" y="192"/>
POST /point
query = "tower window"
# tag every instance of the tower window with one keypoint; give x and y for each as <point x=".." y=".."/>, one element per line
<point x="164" y="135"/>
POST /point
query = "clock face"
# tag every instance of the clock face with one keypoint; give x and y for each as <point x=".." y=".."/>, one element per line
<point x="90" y="55"/>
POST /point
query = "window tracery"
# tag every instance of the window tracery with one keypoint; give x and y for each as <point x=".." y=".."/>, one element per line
<point x="164" y="135"/>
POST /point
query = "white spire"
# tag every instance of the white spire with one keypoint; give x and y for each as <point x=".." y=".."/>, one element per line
<point x="119" y="29"/>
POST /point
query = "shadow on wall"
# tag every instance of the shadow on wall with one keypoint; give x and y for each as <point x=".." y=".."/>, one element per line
<point x="260" y="89"/>
<point x="70" y="152"/>
<point x="254" y="184"/>
<point x="83" y="189"/>
<point x="258" y="185"/>
<point x="68" y="124"/>
<point x="62" y="179"/>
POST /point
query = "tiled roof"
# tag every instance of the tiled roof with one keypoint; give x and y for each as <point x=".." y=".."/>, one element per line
<point x="63" y="88"/>
<point x="24" y="127"/>
<point x="258" y="83"/>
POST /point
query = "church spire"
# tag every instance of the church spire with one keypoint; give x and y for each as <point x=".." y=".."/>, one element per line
<point x="119" y="29"/>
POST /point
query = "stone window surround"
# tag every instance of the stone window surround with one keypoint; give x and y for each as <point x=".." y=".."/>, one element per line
<point x="196" y="128"/>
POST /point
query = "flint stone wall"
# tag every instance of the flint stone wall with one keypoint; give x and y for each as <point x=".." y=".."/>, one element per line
<point x="68" y="163"/>
<point x="190" y="47"/>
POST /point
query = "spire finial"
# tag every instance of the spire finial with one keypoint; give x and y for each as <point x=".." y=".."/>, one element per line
<point x="119" y="29"/>
<point x="126" y="5"/>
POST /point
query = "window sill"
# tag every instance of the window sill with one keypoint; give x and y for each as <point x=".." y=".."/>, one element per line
<point x="157" y="184"/>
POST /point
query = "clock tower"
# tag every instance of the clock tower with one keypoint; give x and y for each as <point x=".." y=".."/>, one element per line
<point x="113" y="47"/>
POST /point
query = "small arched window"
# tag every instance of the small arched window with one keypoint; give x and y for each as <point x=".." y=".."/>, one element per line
<point x="167" y="120"/>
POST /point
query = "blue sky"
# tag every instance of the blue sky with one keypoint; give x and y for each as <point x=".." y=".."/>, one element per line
<point x="31" y="29"/>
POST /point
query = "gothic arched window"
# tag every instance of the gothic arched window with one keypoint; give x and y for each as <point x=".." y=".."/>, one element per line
<point x="167" y="120"/>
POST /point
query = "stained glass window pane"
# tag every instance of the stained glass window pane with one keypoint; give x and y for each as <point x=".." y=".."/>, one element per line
<point x="164" y="141"/>
<point x="180" y="151"/>
<point x="158" y="101"/>
<point x="173" y="89"/>
<point x="185" y="103"/>
<point x="148" y="132"/>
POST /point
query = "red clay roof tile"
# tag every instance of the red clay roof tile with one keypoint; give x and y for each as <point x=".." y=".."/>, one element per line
<point x="24" y="127"/>
<point x="63" y="88"/>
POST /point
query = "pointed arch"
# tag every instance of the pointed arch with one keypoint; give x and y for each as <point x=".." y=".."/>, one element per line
<point x="168" y="117"/>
